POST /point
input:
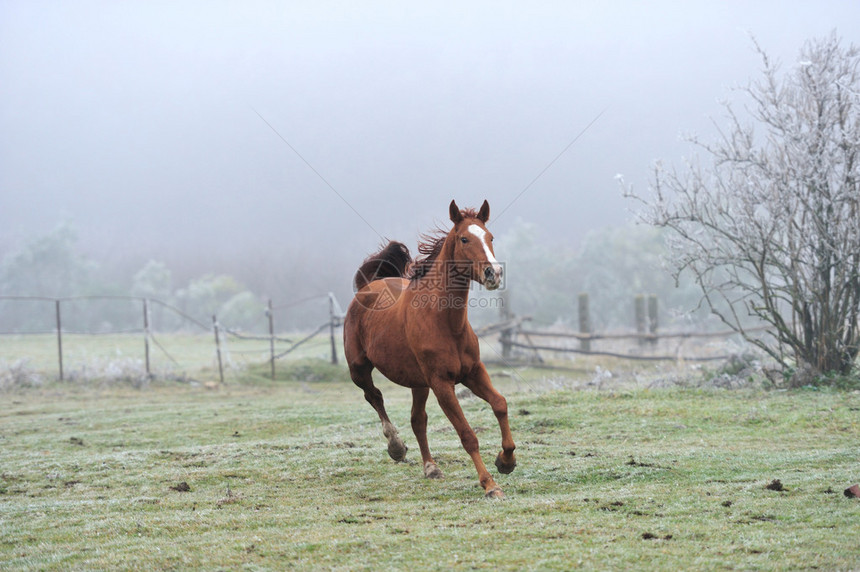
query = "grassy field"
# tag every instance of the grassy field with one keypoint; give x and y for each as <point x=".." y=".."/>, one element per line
<point x="294" y="475"/>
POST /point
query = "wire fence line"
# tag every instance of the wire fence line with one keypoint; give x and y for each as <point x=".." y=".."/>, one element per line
<point x="57" y="301"/>
<point x="221" y="332"/>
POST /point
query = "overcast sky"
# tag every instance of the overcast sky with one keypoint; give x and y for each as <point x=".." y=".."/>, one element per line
<point x="152" y="125"/>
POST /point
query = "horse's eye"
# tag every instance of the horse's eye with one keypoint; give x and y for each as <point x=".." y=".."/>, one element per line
<point x="464" y="240"/>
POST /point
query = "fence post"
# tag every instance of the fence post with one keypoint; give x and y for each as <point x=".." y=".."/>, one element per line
<point x="652" y="317"/>
<point x="584" y="322"/>
<point x="59" y="338"/>
<point x="507" y="333"/>
<point x="271" y="338"/>
<point x="146" y="334"/>
<point x="218" y="348"/>
<point x="331" y="324"/>
<point x="639" y="307"/>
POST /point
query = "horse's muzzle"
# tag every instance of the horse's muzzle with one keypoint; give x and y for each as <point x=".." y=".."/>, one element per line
<point x="493" y="276"/>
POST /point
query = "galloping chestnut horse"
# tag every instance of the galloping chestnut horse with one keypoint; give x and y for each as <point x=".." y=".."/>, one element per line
<point x="409" y="321"/>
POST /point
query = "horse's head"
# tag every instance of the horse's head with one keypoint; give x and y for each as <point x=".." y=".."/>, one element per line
<point x="473" y="245"/>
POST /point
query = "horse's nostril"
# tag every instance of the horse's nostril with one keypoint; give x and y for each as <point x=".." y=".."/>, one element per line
<point x="488" y="272"/>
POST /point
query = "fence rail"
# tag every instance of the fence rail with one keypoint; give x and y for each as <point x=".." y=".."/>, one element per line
<point x="513" y="335"/>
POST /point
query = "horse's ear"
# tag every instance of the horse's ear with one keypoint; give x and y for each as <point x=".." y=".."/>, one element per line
<point x="484" y="213"/>
<point x="454" y="212"/>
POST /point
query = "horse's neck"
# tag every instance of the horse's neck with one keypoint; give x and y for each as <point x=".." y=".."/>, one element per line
<point x="452" y="292"/>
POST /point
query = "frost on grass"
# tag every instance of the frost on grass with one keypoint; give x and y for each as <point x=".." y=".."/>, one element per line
<point x="121" y="372"/>
<point x="18" y="375"/>
<point x="125" y="371"/>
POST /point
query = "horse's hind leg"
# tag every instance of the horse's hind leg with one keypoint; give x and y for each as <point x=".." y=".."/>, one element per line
<point x="419" y="427"/>
<point x="360" y="375"/>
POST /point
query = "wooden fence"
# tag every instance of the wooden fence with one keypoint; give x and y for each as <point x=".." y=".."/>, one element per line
<point x="644" y="341"/>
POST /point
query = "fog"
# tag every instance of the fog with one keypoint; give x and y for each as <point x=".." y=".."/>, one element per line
<point x="228" y="136"/>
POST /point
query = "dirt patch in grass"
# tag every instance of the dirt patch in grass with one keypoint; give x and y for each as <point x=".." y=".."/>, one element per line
<point x="775" y="485"/>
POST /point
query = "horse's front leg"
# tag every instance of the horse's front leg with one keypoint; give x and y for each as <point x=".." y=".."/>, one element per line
<point x="444" y="391"/>
<point x="481" y="386"/>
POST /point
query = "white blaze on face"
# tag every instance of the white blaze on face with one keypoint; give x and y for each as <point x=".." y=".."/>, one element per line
<point x="481" y="235"/>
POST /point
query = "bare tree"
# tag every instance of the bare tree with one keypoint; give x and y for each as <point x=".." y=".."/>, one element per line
<point x="770" y="229"/>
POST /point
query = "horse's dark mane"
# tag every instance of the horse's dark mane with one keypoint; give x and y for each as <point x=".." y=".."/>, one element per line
<point x="394" y="261"/>
<point x="430" y="246"/>
<point x="390" y="262"/>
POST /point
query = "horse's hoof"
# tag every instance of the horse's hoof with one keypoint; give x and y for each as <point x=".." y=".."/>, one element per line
<point x="397" y="450"/>
<point x="431" y="471"/>
<point x="495" y="493"/>
<point x="503" y="467"/>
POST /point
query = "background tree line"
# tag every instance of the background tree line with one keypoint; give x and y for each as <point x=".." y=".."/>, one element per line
<point x="543" y="281"/>
<point x="52" y="266"/>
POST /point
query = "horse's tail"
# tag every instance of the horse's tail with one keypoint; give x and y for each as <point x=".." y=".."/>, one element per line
<point x="390" y="262"/>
